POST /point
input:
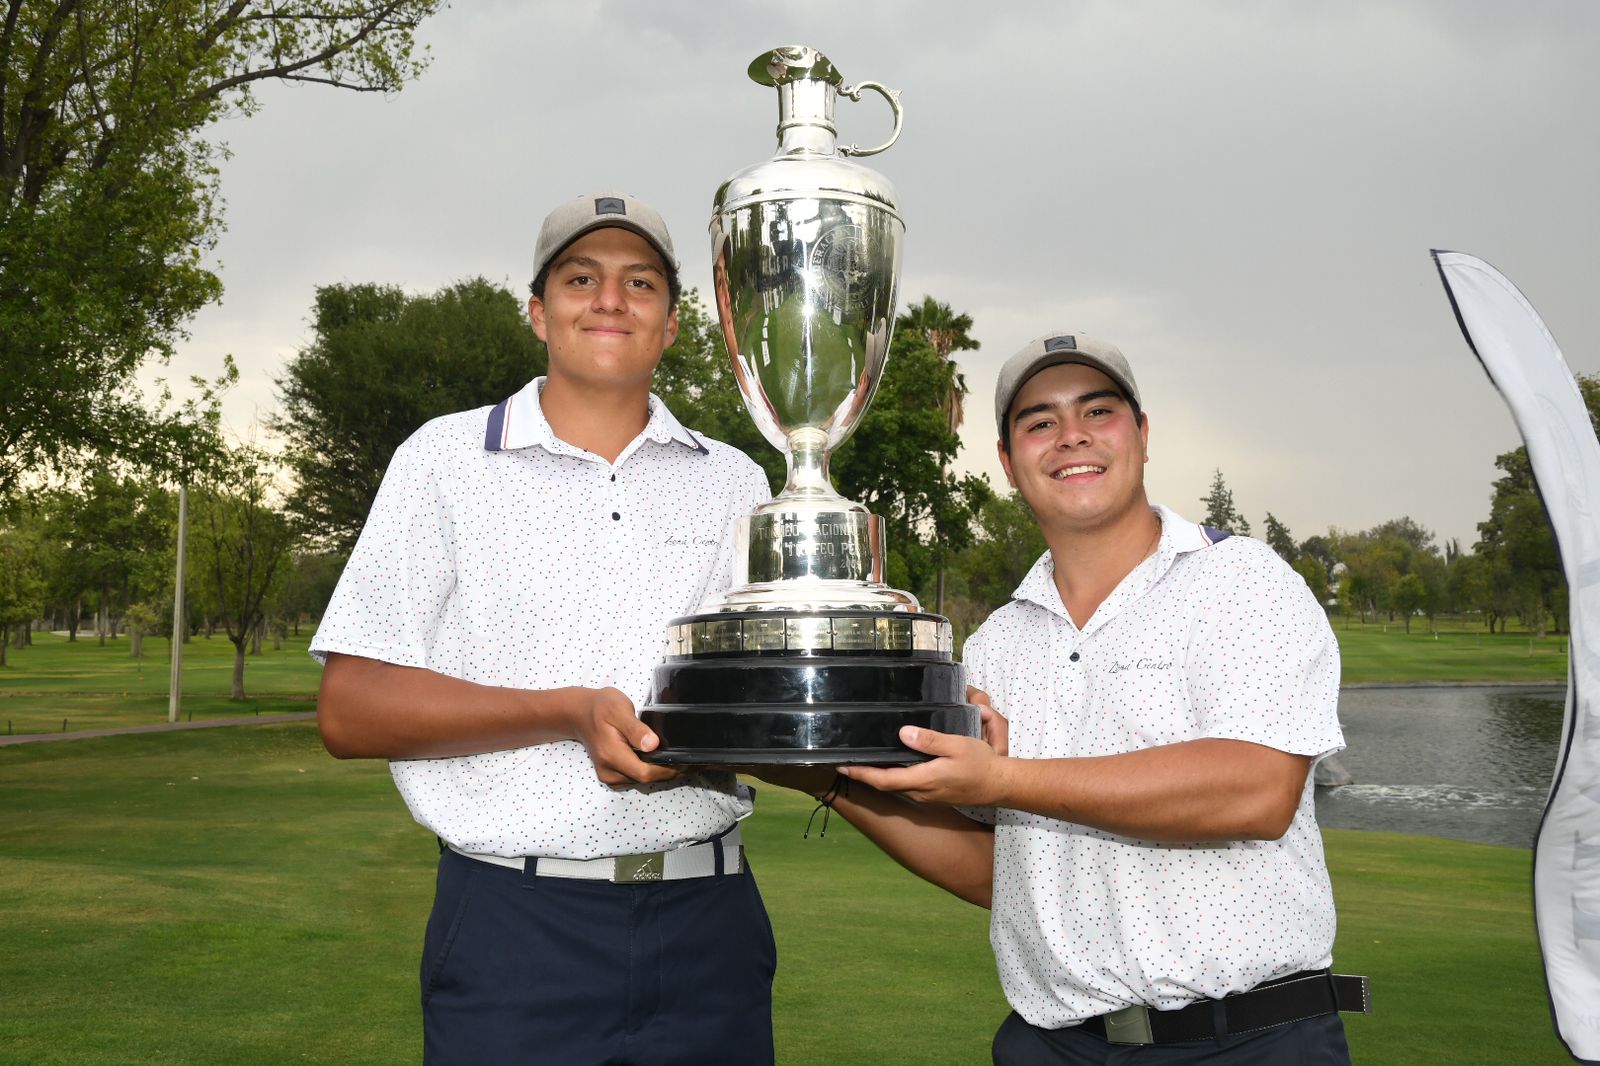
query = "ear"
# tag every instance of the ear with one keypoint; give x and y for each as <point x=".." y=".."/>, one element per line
<point x="672" y="328"/>
<point x="1005" y="462"/>
<point x="1144" y="434"/>
<point x="536" y="317"/>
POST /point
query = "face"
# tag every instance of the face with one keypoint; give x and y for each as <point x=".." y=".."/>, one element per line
<point x="606" y="314"/>
<point x="1076" y="455"/>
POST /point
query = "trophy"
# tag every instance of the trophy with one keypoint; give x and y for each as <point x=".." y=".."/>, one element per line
<point x="810" y="658"/>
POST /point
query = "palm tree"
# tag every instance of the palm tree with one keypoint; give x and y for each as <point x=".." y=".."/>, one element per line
<point x="946" y="333"/>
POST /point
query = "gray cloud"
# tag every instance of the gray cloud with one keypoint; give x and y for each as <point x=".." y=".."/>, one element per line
<point x="1241" y="194"/>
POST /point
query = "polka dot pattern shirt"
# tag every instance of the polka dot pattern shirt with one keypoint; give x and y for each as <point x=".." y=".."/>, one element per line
<point x="498" y="553"/>
<point x="1202" y="639"/>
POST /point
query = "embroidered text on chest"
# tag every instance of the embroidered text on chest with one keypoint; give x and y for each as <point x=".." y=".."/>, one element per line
<point x="1140" y="664"/>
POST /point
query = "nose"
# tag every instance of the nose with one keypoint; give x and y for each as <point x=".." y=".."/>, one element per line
<point x="608" y="295"/>
<point x="1072" y="433"/>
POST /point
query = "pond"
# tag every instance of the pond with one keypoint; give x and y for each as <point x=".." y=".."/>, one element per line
<point x="1467" y="763"/>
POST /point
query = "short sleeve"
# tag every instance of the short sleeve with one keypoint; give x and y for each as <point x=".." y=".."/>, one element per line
<point x="388" y="602"/>
<point x="1264" y="664"/>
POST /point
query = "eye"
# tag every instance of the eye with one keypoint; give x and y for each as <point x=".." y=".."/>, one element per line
<point x="641" y="283"/>
<point x="1099" y="412"/>
<point x="1043" y="423"/>
<point x="580" y="280"/>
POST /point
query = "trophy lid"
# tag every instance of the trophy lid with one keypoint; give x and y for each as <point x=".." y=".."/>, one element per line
<point x="792" y="62"/>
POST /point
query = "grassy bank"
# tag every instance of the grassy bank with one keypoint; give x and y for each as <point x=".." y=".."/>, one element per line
<point x="90" y="686"/>
<point x="237" y="896"/>
<point x="1386" y="652"/>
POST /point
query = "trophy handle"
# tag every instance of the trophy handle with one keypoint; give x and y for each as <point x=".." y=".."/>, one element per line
<point x="853" y="92"/>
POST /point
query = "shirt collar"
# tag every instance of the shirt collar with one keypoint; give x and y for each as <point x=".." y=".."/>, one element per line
<point x="1179" y="536"/>
<point x="518" y="421"/>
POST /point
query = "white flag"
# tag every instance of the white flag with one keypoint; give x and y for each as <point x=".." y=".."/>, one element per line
<point x="1522" y="360"/>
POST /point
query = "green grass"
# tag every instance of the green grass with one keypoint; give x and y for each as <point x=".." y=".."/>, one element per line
<point x="1379" y="653"/>
<point x="237" y="896"/>
<point x="95" y="687"/>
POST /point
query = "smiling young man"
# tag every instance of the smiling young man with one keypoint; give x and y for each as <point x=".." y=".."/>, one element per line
<point x="492" y="635"/>
<point x="1154" y="866"/>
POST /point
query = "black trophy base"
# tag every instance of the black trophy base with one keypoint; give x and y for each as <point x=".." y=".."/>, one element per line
<point x="812" y="710"/>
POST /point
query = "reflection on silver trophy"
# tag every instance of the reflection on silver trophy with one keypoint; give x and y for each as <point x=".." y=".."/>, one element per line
<point x="810" y="657"/>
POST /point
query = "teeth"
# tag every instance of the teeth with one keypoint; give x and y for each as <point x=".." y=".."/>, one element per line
<point x="1071" y="470"/>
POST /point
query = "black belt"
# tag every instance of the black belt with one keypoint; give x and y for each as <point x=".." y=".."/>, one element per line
<point x="1307" y="994"/>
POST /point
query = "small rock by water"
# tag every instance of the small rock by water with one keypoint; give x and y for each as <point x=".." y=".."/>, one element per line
<point x="1331" y="773"/>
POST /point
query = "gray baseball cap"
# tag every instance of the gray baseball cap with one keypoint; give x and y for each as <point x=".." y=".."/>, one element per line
<point x="1057" y="349"/>
<point x="595" y="211"/>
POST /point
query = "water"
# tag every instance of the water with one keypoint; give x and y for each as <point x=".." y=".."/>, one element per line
<point x="1465" y="763"/>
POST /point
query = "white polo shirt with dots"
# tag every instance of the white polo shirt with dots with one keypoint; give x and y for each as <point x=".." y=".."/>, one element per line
<point x="497" y="553"/>
<point x="1207" y="637"/>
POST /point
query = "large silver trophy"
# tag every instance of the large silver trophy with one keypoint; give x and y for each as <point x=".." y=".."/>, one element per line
<point x="810" y="657"/>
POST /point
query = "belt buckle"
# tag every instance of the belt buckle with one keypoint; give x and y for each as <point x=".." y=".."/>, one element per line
<point x="639" y="869"/>
<point x="1130" y="1025"/>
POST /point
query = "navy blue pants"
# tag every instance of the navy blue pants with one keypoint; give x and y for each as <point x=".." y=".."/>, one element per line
<point x="532" y="970"/>
<point x="1313" y="1042"/>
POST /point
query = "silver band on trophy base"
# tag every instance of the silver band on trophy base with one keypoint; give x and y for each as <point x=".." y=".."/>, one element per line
<point x="810" y="657"/>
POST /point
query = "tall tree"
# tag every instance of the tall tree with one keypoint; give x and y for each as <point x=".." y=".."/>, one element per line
<point x="242" y="543"/>
<point x="1220" y="511"/>
<point x="897" y="464"/>
<point x="1524" y="565"/>
<point x="946" y="333"/>
<point x="1279" y="540"/>
<point x="109" y="199"/>
<point x="380" y="363"/>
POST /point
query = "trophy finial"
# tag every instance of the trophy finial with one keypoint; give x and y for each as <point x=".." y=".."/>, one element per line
<point x="791" y="63"/>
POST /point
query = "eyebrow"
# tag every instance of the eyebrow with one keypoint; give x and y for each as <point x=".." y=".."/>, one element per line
<point x="590" y="263"/>
<point x="1051" y="405"/>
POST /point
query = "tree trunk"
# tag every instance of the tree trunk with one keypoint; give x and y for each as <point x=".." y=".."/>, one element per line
<point x="136" y="642"/>
<point x="5" y="638"/>
<point x="238" y="668"/>
<point x="73" y="619"/>
<point x="256" y="631"/>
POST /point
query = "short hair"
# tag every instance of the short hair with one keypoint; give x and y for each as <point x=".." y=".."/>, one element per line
<point x="1133" y="405"/>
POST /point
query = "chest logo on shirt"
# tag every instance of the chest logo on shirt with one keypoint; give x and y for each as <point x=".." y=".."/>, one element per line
<point x="1141" y="664"/>
<point x="697" y="541"/>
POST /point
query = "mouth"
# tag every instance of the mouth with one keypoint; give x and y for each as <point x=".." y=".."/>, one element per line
<point x="1080" y="470"/>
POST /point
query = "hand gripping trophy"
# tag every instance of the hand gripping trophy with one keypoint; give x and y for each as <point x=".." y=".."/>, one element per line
<point x="810" y="658"/>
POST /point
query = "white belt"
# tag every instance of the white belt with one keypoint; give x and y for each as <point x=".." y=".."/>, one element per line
<point x="695" y="860"/>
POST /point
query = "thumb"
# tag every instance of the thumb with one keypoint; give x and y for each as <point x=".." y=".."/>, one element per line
<point x="639" y="736"/>
<point x="625" y="719"/>
<point x="928" y="741"/>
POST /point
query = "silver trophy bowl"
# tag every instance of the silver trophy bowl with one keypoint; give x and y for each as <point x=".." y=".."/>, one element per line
<point x="809" y="657"/>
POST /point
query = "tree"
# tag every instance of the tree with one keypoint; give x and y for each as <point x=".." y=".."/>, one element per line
<point x="946" y="333"/>
<point x="1524" y="566"/>
<point x="1220" y="511"/>
<point x="897" y="464"/>
<point x="21" y="583"/>
<point x="241" y="543"/>
<point x="1409" y="595"/>
<point x="1278" y="538"/>
<point x="380" y="364"/>
<point x="109" y="200"/>
<point x="1006" y="544"/>
<point x="1315" y="575"/>
<point x="695" y="380"/>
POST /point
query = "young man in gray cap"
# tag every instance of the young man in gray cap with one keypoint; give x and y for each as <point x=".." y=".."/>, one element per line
<point x="1151" y="854"/>
<point x="492" y="635"/>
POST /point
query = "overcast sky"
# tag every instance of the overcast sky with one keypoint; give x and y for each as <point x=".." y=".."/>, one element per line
<point x="1242" y="195"/>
